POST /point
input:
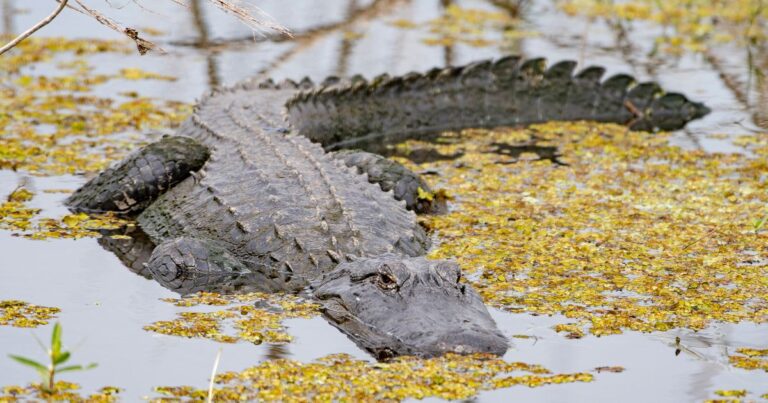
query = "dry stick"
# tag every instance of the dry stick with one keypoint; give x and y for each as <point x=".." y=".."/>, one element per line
<point x="246" y="16"/>
<point x="213" y="376"/>
<point x="142" y="44"/>
<point x="45" y="21"/>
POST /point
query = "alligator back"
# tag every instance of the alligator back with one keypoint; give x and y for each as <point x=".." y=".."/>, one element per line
<point x="277" y="200"/>
<point x="506" y="92"/>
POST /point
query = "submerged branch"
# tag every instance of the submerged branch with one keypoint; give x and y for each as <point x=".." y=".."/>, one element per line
<point x="24" y="35"/>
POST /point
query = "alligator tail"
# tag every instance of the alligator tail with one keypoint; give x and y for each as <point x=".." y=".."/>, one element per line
<point x="505" y="92"/>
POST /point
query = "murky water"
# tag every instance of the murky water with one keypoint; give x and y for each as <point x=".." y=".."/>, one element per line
<point x="104" y="306"/>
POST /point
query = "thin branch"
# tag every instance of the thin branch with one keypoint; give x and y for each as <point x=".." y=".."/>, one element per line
<point x="45" y="21"/>
<point x="142" y="44"/>
<point x="245" y="13"/>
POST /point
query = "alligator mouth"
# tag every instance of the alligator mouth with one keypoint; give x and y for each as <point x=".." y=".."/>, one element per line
<point x="333" y="308"/>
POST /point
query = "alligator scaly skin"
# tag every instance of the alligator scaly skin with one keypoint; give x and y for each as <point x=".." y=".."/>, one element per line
<point x="276" y="199"/>
<point x="505" y="92"/>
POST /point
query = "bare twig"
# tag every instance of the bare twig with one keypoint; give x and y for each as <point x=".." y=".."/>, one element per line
<point x="245" y="12"/>
<point x="142" y="44"/>
<point x="213" y="376"/>
<point x="45" y="21"/>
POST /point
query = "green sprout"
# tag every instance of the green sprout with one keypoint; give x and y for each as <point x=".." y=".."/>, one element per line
<point x="57" y="356"/>
<point x="760" y="222"/>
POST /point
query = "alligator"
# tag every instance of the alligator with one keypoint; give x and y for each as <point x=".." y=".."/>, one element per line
<point x="276" y="186"/>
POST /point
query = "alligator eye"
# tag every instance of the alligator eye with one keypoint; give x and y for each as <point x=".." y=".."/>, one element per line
<point x="386" y="281"/>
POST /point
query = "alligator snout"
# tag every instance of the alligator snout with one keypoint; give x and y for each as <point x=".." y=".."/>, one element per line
<point x="471" y="342"/>
<point x="394" y="306"/>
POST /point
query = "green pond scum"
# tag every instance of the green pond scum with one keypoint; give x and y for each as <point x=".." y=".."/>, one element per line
<point x="54" y="125"/>
<point x="341" y="378"/>
<point x="467" y="26"/>
<point x="262" y="324"/>
<point x="688" y="25"/>
<point x="63" y="392"/>
<point x="632" y="233"/>
<point x="23" y="314"/>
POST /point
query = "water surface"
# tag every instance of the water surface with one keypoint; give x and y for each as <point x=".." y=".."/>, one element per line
<point x="104" y="306"/>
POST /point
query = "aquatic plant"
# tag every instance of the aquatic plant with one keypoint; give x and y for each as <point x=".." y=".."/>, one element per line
<point x="259" y="320"/>
<point x="58" y="357"/>
<point x="632" y="234"/>
<point x="760" y="222"/>
<point x="23" y="314"/>
<point x="341" y="378"/>
<point x="688" y="25"/>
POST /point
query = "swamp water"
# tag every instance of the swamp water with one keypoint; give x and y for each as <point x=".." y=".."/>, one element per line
<point x="104" y="306"/>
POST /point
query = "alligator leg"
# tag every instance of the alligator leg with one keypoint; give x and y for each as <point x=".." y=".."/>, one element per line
<point x="138" y="180"/>
<point x="390" y="175"/>
<point x="188" y="264"/>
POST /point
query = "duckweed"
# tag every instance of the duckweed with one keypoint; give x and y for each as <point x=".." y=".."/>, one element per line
<point x="342" y="378"/>
<point x="23" y="314"/>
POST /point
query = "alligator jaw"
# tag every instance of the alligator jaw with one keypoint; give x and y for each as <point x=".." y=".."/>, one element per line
<point x="391" y="306"/>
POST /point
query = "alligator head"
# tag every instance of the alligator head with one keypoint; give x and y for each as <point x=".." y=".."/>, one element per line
<point x="393" y="306"/>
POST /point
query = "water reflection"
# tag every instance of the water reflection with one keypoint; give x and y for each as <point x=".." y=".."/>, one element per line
<point x="435" y="314"/>
<point x="133" y="248"/>
<point x="203" y="41"/>
<point x="277" y="352"/>
<point x="347" y="44"/>
<point x="448" y="49"/>
<point x="760" y="79"/>
<point x="8" y="10"/>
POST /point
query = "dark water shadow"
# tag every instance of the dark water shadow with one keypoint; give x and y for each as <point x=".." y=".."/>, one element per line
<point x="548" y="153"/>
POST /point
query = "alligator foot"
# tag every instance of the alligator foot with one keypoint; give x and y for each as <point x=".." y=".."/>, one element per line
<point x="390" y="175"/>
<point x="188" y="264"/>
<point x="137" y="181"/>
